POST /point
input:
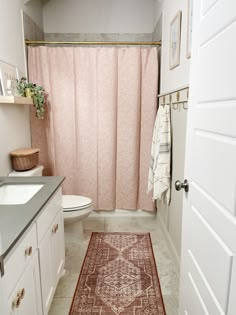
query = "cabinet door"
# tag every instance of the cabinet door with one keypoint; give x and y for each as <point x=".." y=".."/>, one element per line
<point x="58" y="247"/>
<point x="52" y="258"/>
<point x="46" y="271"/>
<point x="26" y="298"/>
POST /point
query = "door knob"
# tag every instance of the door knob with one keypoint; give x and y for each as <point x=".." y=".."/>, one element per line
<point x="184" y="185"/>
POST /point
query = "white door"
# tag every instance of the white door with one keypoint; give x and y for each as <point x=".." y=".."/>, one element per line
<point x="208" y="262"/>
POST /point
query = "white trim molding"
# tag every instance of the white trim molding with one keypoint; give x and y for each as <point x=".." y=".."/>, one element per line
<point x="170" y="244"/>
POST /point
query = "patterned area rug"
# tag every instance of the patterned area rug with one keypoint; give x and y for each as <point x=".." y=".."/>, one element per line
<point x="118" y="277"/>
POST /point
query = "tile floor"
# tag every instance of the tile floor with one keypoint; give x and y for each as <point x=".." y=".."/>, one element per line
<point x="75" y="254"/>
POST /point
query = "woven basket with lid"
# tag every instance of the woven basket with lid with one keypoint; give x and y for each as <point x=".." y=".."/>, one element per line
<point x="24" y="159"/>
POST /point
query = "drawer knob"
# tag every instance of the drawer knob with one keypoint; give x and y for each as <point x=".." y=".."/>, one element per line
<point x="55" y="228"/>
<point x="16" y="302"/>
<point x="28" y="251"/>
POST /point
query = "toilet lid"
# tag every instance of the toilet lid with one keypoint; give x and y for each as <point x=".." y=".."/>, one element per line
<point x="72" y="202"/>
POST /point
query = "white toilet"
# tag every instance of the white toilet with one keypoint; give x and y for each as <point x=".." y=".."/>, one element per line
<point x="36" y="171"/>
<point x="75" y="208"/>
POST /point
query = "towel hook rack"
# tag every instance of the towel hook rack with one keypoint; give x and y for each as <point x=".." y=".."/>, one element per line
<point x="174" y="99"/>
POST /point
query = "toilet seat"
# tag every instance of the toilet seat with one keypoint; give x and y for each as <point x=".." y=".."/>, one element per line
<point x="74" y="203"/>
<point x="75" y="208"/>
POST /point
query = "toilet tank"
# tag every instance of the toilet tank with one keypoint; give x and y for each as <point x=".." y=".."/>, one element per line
<point x="36" y="171"/>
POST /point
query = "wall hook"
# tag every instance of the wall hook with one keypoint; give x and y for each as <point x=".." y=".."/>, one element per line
<point x="185" y="105"/>
<point x="175" y="106"/>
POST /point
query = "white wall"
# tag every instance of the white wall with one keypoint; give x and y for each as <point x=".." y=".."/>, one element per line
<point x="179" y="76"/>
<point x="171" y="80"/>
<point x="158" y="8"/>
<point x="14" y="119"/>
<point x="98" y="16"/>
<point x="34" y="9"/>
<point x="11" y="36"/>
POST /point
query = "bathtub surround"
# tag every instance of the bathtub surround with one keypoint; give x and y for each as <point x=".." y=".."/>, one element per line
<point x="102" y="105"/>
<point x="118" y="276"/>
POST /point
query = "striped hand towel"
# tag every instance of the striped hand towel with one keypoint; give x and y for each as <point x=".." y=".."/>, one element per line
<point x="159" y="168"/>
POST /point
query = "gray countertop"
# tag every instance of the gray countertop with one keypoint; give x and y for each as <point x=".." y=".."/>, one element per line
<point x="15" y="219"/>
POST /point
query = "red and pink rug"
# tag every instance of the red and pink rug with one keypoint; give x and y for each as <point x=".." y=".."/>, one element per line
<point x="118" y="277"/>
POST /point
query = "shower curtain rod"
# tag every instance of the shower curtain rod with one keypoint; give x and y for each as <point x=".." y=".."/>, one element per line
<point x="45" y="42"/>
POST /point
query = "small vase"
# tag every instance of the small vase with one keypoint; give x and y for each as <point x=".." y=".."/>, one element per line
<point x="28" y="92"/>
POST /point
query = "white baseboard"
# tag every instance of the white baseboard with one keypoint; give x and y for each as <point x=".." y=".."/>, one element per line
<point x="170" y="244"/>
<point x="123" y="213"/>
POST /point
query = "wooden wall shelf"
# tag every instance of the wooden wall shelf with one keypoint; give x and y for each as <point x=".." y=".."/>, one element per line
<point x="16" y="100"/>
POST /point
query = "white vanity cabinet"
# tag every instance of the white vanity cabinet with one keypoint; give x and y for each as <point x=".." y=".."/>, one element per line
<point x="51" y="257"/>
<point x="36" y="263"/>
<point x="26" y="298"/>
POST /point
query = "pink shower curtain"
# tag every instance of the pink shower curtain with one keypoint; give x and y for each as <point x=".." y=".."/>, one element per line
<point x="101" y="107"/>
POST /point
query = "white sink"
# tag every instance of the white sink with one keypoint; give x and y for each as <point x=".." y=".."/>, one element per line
<point x="18" y="194"/>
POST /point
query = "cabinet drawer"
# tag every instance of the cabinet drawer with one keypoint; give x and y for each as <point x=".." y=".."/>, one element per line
<point x="20" y="258"/>
<point x="48" y="214"/>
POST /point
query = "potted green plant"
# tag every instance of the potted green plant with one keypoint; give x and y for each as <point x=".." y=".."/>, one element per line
<point x="28" y="89"/>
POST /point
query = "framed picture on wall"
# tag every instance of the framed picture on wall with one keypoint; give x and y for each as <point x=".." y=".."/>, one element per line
<point x="175" y="38"/>
<point x="189" y="28"/>
<point x="8" y="77"/>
